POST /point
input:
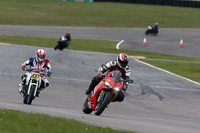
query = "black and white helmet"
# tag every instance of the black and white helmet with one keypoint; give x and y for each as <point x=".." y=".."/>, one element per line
<point x="122" y="60"/>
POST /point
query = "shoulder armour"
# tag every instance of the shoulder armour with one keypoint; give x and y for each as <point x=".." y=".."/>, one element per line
<point x="114" y="62"/>
<point x="111" y="64"/>
<point x="47" y="60"/>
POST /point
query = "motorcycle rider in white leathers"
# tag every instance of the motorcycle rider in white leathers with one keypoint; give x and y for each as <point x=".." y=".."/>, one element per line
<point x="40" y="64"/>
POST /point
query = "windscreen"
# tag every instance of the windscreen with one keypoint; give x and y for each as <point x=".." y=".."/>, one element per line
<point x="116" y="76"/>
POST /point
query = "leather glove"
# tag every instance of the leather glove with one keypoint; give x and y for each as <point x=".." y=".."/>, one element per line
<point x="24" y="67"/>
<point x="125" y="86"/>
<point x="102" y="69"/>
<point x="49" y="72"/>
<point x="99" y="74"/>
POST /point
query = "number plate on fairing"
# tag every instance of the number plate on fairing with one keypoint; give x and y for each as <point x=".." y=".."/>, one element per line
<point x="35" y="75"/>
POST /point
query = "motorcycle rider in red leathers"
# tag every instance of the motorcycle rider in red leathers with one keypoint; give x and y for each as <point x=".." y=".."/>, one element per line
<point x="38" y="63"/>
<point x="120" y="64"/>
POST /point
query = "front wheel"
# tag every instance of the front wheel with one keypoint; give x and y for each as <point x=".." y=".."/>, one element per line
<point x="85" y="107"/>
<point x="147" y="32"/>
<point x="31" y="95"/>
<point x="103" y="104"/>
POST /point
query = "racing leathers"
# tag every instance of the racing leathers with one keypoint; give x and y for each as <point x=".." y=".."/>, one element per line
<point x="40" y="67"/>
<point x="155" y="28"/>
<point x="110" y="66"/>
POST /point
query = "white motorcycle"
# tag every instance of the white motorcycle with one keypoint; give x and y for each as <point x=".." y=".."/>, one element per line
<point x="32" y="85"/>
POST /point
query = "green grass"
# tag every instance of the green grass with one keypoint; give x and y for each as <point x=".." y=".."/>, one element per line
<point x="19" y="122"/>
<point x="96" y="14"/>
<point x="185" y="69"/>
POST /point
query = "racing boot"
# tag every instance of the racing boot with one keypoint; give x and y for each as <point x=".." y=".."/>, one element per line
<point x="90" y="89"/>
<point x="95" y="81"/>
<point x="42" y="87"/>
<point x="38" y="94"/>
<point x="21" y="88"/>
<point x="38" y="91"/>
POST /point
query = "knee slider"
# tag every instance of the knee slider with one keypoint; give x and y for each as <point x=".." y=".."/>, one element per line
<point x="47" y="84"/>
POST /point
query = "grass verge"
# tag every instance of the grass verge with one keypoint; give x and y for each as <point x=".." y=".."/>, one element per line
<point x="19" y="122"/>
<point x="96" y="14"/>
<point x="186" y="69"/>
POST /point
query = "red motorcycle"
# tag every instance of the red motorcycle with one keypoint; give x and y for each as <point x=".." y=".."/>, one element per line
<point x="104" y="93"/>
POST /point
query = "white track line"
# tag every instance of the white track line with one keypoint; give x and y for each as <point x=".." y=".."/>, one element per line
<point x="168" y="72"/>
<point x="117" y="46"/>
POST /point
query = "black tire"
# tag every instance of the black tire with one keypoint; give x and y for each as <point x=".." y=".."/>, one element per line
<point x="31" y="96"/>
<point x="25" y="99"/>
<point x="85" y="107"/>
<point x="101" y="106"/>
<point x="57" y="46"/>
<point x="147" y="32"/>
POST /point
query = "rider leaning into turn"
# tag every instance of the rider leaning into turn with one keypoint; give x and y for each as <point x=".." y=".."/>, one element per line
<point x="155" y="27"/>
<point x="120" y="64"/>
<point x="40" y="64"/>
<point x="64" y="41"/>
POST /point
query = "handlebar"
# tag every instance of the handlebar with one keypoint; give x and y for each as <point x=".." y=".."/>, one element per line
<point x="128" y="80"/>
<point x="43" y="74"/>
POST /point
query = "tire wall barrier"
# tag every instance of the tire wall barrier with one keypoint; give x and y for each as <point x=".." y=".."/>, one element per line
<point x="181" y="3"/>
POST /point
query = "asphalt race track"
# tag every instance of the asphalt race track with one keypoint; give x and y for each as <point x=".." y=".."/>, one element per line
<point x="157" y="102"/>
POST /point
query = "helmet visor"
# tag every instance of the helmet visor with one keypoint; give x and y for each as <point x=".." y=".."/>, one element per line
<point x="40" y="56"/>
<point x="123" y="63"/>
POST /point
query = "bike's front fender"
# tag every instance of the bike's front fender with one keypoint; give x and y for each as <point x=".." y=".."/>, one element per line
<point x="96" y="92"/>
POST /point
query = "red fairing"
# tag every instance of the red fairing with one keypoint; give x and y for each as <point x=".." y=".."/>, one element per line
<point x="100" y="87"/>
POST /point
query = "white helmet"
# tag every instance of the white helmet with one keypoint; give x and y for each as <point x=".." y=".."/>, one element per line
<point x="40" y="55"/>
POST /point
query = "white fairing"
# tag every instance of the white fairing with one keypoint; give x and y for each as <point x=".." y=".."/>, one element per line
<point x="29" y="82"/>
<point x="63" y="38"/>
<point x="149" y="27"/>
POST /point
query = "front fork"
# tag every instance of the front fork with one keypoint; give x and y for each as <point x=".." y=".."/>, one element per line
<point x="101" y="96"/>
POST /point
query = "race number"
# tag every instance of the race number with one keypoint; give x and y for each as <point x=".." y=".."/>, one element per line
<point x="35" y="75"/>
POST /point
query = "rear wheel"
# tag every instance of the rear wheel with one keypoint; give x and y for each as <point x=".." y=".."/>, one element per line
<point x="85" y="107"/>
<point x="147" y="32"/>
<point x="103" y="104"/>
